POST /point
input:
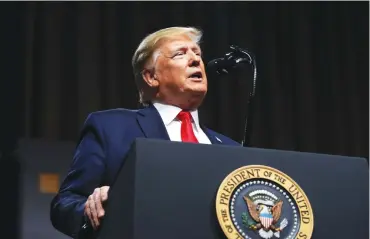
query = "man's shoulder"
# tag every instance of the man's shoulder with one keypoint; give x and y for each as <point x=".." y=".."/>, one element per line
<point x="111" y="116"/>
<point x="113" y="113"/>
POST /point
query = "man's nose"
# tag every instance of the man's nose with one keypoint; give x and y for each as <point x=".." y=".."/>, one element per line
<point x="194" y="59"/>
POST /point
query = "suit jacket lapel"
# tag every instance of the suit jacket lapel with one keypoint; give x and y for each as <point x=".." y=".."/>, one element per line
<point x="214" y="139"/>
<point x="151" y="123"/>
<point x="211" y="136"/>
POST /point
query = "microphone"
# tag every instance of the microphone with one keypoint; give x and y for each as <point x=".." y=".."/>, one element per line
<point x="238" y="57"/>
<point x="231" y="60"/>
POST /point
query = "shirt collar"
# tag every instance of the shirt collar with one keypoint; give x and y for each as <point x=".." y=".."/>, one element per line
<point x="169" y="113"/>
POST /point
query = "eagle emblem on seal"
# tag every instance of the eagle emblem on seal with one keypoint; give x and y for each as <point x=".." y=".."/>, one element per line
<point x="265" y="211"/>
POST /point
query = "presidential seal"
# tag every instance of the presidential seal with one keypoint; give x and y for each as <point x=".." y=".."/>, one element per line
<point x="261" y="202"/>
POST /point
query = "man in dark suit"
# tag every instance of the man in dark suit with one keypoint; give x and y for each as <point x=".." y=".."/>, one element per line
<point x="172" y="82"/>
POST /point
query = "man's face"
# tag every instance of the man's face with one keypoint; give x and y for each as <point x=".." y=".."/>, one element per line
<point x="179" y="72"/>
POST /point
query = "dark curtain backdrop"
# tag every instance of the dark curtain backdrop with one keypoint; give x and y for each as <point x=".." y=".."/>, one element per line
<point x="312" y="91"/>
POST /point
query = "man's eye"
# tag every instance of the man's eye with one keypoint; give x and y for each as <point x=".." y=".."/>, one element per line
<point x="179" y="53"/>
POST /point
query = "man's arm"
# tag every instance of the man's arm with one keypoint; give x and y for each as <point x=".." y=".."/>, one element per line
<point x="85" y="174"/>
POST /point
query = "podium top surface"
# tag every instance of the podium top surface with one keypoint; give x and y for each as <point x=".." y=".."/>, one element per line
<point x="359" y="163"/>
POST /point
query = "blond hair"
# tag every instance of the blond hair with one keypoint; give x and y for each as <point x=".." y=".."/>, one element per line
<point x="146" y="52"/>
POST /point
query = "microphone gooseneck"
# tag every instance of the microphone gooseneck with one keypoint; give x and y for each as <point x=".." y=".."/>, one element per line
<point x="232" y="60"/>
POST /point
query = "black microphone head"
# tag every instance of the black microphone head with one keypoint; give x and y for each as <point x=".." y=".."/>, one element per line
<point x="220" y="65"/>
<point x="215" y="62"/>
<point x="237" y="57"/>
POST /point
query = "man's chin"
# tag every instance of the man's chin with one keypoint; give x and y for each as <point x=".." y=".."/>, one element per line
<point x="197" y="88"/>
<point x="196" y="93"/>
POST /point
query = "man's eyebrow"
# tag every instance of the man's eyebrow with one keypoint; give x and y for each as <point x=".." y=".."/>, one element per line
<point x="197" y="48"/>
<point x="182" y="47"/>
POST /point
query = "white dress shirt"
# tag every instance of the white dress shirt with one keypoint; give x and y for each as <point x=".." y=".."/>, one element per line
<point x="169" y="114"/>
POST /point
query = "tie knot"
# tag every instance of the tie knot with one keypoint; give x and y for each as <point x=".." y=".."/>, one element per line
<point x="184" y="116"/>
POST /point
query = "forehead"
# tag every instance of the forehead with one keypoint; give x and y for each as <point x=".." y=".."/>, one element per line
<point x="176" y="42"/>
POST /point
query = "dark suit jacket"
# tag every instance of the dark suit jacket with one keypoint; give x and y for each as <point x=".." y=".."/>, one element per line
<point x="105" y="140"/>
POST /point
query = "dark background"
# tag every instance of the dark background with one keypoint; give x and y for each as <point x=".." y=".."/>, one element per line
<point x="63" y="60"/>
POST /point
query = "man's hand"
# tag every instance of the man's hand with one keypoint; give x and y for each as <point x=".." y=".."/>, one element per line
<point x="94" y="205"/>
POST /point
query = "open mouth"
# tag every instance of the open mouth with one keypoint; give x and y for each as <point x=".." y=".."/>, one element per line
<point x="196" y="76"/>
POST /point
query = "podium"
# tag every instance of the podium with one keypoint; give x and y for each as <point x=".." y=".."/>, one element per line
<point x="174" y="190"/>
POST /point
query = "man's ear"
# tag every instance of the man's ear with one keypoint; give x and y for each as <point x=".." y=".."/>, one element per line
<point x="150" y="78"/>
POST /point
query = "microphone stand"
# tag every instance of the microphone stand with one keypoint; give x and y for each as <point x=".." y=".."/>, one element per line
<point x="232" y="60"/>
<point x="250" y="107"/>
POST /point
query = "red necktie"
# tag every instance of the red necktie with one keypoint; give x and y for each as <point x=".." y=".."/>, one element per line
<point x="187" y="133"/>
